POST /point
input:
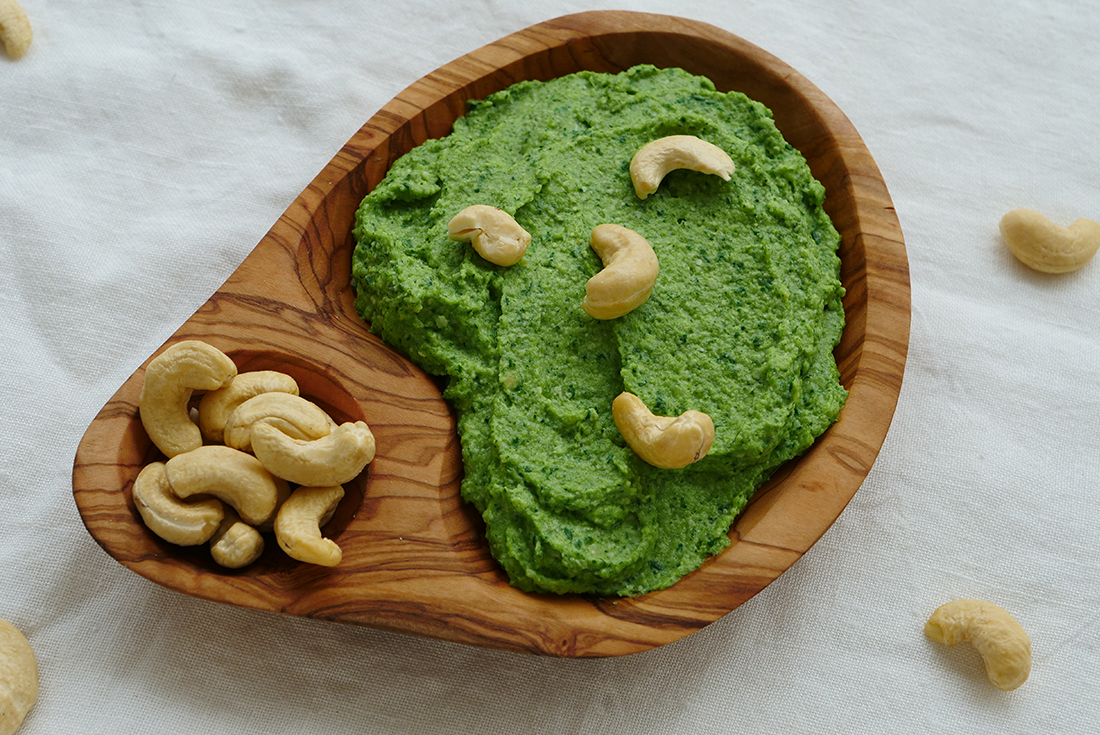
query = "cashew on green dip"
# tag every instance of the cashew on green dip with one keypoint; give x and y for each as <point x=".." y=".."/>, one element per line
<point x="741" y="323"/>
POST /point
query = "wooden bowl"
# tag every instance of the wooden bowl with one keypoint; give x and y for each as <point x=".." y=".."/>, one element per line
<point x="415" y="559"/>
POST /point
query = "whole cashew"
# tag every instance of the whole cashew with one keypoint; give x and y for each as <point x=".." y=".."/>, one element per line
<point x="495" y="235"/>
<point x="215" y="406"/>
<point x="228" y="474"/>
<point x="177" y="522"/>
<point x="1040" y="244"/>
<point x="331" y="460"/>
<point x="293" y="415"/>
<point x="15" y="32"/>
<point x="662" y="441"/>
<point x="1004" y="645"/>
<point x="170" y="379"/>
<point x="298" y="525"/>
<point x="655" y="159"/>
<point x="235" y="544"/>
<point x="18" y="678"/>
<point x="628" y="276"/>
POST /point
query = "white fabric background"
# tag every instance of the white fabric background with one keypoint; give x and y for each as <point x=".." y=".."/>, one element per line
<point x="147" y="146"/>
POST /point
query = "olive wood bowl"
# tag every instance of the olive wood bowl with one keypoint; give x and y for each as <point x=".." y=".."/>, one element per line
<point x="415" y="558"/>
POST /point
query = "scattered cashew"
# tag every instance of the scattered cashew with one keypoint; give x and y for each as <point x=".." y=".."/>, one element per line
<point x="298" y="525"/>
<point x="495" y="235"/>
<point x="235" y="544"/>
<point x="18" y="678"/>
<point x="1004" y="645"/>
<point x="655" y="159"/>
<point x="228" y="474"/>
<point x="15" y="28"/>
<point x="331" y="460"/>
<point x="628" y="276"/>
<point x="1040" y="244"/>
<point x="293" y="415"/>
<point x="662" y="441"/>
<point x="170" y="379"/>
<point x="215" y="406"/>
<point x="177" y="522"/>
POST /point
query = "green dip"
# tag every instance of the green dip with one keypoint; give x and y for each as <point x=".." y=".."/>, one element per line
<point x="741" y="324"/>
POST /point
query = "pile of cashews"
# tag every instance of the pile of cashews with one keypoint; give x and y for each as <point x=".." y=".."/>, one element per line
<point x="229" y="471"/>
<point x="626" y="282"/>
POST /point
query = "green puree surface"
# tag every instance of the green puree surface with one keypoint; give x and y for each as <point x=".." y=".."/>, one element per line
<point x="741" y="324"/>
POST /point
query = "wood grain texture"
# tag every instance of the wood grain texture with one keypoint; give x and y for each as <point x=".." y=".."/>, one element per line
<point x="415" y="560"/>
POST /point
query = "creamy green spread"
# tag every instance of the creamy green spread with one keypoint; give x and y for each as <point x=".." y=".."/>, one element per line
<point x="741" y="323"/>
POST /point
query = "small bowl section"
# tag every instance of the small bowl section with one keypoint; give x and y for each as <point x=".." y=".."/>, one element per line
<point x="135" y="446"/>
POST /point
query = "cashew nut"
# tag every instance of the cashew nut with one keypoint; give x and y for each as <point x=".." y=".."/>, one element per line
<point x="282" y="492"/>
<point x="215" y="406"/>
<point x="177" y="522"/>
<point x="331" y="460"/>
<point x="1040" y="244"/>
<point x="662" y="441"/>
<point x="655" y="159"/>
<point x="298" y="525"/>
<point x="293" y="415"/>
<point x="628" y="276"/>
<point x="1004" y="645"/>
<point x="15" y="30"/>
<point x="235" y="544"/>
<point x="228" y="474"/>
<point x="18" y="678"/>
<point x="170" y="379"/>
<point x="495" y="235"/>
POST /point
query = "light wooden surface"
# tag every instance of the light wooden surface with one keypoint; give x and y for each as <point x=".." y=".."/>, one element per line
<point x="414" y="556"/>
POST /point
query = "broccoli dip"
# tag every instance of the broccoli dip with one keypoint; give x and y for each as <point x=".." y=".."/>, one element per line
<point x="741" y="323"/>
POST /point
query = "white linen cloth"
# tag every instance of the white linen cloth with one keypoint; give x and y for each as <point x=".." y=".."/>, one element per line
<point x="146" y="147"/>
